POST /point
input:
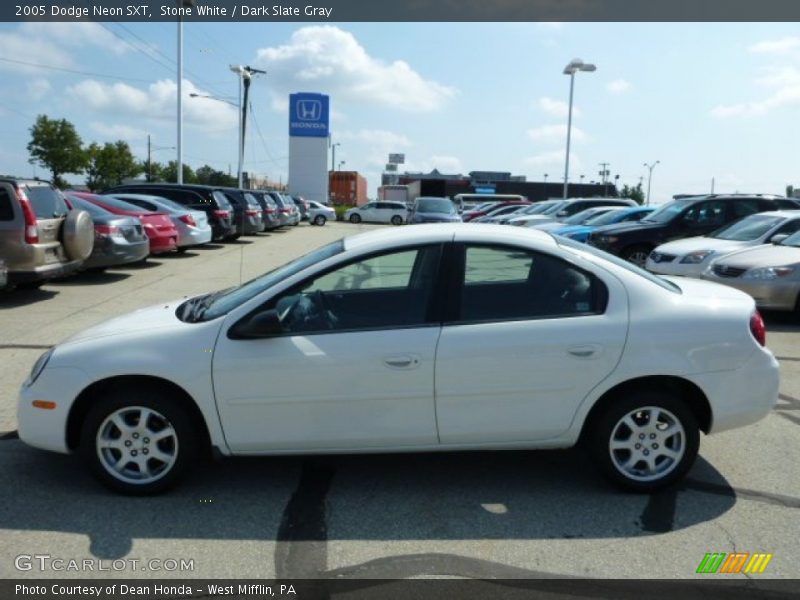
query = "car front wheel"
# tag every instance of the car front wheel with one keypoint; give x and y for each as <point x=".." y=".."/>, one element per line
<point x="645" y="441"/>
<point x="355" y="219"/>
<point x="397" y="220"/>
<point x="320" y="220"/>
<point x="138" y="442"/>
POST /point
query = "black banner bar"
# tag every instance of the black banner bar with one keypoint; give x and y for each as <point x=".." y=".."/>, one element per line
<point x="400" y="10"/>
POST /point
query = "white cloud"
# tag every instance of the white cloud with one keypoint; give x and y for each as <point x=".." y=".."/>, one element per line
<point x="556" y="108"/>
<point x="618" y="86"/>
<point x="51" y="43"/>
<point x="117" y="131"/>
<point x="782" y="46"/>
<point x="38" y="88"/>
<point x="550" y="134"/>
<point x="785" y="85"/>
<point x="376" y="137"/>
<point x="158" y="101"/>
<point x="331" y="60"/>
<point x="553" y="160"/>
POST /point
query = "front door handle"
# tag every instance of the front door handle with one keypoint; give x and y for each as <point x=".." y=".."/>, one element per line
<point x="587" y="351"/>
<point x="401" y="361"/>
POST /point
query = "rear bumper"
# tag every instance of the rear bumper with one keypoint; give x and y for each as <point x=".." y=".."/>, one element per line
<point x="163" y="243"/>
<point x="219" y="231"/>
<point x="117" y="253"/>
<point x="51" y="271"/>
<point x="193" y="236"/>
<point x="253" y="225"/>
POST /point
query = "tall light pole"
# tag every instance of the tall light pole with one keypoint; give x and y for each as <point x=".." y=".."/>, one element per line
<point x="650" y="167"/>
<point x="575" y="65"/>
<point x="179" y="145"/>
<point x="333" y="155"/>
<point x="245" y="75"/>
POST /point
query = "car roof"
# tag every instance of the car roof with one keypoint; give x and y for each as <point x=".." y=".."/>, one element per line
<point x="380" y="239"/>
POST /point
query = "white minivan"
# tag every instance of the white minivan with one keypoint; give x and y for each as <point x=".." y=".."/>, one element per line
<point x="379" y="211"/>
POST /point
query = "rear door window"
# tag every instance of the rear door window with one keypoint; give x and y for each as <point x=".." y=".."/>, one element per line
<point x="47" y="202"/>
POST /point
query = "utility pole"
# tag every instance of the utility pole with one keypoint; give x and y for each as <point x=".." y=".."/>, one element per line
<point x="245" y="75"/>
<point x="650" y="167"/>
<point x="604" y="173"/>
<point x="149" y="163"/>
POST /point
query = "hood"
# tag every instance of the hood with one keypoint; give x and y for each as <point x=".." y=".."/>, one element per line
<point x="763" y="256"/>
<point x="696" y="244"/>
<point x="158" y="316"/>
<point x="623" y="227"/>
<point x="546" y="226"/>
<point x="573" y="229"/>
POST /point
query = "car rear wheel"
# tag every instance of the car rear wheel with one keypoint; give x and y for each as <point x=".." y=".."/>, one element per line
<point x="355" y="219"/>
<point x="397" y="220"/>
<point x="320" y="220"/>
<point x="645" y="441"/>
<point x="138" y="442"/>
<point x="637" y="255"/>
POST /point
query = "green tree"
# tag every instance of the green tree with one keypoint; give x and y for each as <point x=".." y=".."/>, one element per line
<point x="110" y="165"/>
<point x="633" y="192"/>
<point x="789" y="191"/>
<point x="57" y="147"/>
<point x="207" y="175"/>
<point x="169" y="173"/>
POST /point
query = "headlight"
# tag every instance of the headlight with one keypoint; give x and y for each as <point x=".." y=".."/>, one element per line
<point x="38" y="367"/>
<point x="768" y="273"/>
<point x="607" y="239"/>
<point x="695" y="258"/>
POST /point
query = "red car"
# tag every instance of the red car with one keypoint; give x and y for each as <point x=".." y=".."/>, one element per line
<point x="158" y="226"/>
<point x="474" y="214"/>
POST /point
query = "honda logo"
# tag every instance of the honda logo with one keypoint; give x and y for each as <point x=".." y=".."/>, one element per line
<point x="309" y="110"/>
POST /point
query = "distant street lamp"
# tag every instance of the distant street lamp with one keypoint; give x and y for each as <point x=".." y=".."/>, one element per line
<point x="650" y="168"/>
<point x="341" y="162"/>
<point x="573" y="67"/>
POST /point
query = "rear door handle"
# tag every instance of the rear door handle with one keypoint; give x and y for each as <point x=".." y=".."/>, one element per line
<point x="401" y="361"/>
<point x="587" y="351"/>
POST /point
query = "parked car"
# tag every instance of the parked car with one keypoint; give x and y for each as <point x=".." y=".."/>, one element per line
<point x="523" y="210"/>
<point x="433" y="210"/>
<point x="294" y="214"/>
<point x="576" y="219"/>
<point x="319" y="214"/>
<point x="378" y="211"/>
<point x="40" y="237"/>
<point x="192" y="225"/>
<point x="269" y="209"/>
<point x="496" y="213"/>
<point x="532" y="342"/>
<point x="547" y="213"/>
<point x="210" y="200"/>
<point x="678" y="219"/>
<point x="247" y="211"/>
<point x="302" y="206"/>
<point x="691" y="256"/>
<point x="118" y="240"/>
<point x="283" y="209"/>
<point x="769" y="273"/>
<point x="157" y="225"/>
<point x="484" y="209"/>
<point x="567" y="208"/>
<point x="581" y="233"/>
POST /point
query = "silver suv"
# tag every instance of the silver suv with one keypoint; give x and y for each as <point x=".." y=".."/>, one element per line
<point x="40" y="237"/>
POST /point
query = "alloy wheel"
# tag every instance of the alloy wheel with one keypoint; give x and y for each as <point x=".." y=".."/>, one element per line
<point x="647" y="444"/>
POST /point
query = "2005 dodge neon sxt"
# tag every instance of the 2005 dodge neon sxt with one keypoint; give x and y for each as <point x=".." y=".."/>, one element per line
<point x="435" y="337"/>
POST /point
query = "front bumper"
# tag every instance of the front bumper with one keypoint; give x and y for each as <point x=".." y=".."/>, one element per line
<point x="775" y="294"/>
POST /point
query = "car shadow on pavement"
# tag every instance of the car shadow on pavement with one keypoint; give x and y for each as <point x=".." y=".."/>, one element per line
<point x="179" y="255"/>
<point x="13" y="297"/>
<point x="785" y="322"/>
<point x="150" y="263"/>
<point x="513" y="495"/>
<point x="91" y="278"/>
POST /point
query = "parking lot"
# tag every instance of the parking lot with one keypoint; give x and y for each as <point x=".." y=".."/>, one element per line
<point x="482" y="515"/>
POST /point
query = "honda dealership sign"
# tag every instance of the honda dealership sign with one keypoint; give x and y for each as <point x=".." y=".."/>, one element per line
<point x="308" y="115"/>
<point x="308" y="145"/>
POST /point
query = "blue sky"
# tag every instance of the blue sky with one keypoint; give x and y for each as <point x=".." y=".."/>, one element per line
<point x="707" y="100"/>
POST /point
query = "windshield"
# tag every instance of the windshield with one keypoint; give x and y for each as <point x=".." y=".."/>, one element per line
<point x="793" y="240"/>
<point x="92" y="209"/>
<point x="629" y="266"/>
<point x="551" y="210"/>
<point x="435" y="205"/>
<point x="211" y="306"/>
<point x="606" y="218"/>
<point x="46" y="201"/>
<point x="667" y="212"/>
<point x="251" y="200"/>
<point x="120" y="204"/>
<point x="746" y="230"/>
<point x="585" y="215"/>
<point x="171" y="204"/>
<point x="222" y="200"/>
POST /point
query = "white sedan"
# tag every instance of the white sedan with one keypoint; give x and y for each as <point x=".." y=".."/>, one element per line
<point x="690" y="257"/>
<point x="379" y="211"/>
<point x="443" y="337"/>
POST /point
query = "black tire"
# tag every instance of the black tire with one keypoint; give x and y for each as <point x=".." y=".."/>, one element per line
<point x="184" y="449"/>
<point x="29" y="285"/>
<point x="233" y="238"/>
<point x="320" y="220"/>
<point x="636" y="254"/>
<point x="355" y="219"/>
<point x="609" y="423"/>
<point x="396" y="220"/>
<point x="181" y="249"/>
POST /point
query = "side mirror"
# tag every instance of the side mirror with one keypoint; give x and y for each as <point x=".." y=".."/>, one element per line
<point x="778" y="238"/>
<point x="260" y="325"/>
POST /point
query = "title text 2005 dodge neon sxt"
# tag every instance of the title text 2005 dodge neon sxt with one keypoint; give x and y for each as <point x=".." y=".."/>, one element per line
<point x="436" y="337"/>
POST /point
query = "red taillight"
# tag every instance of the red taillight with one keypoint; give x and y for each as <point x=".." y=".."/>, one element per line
<point x="31" y="228"/>
<point x="758" y="329"/>
<point x="270" y="211"/>
<point x="106" y="230"/>
<point x="222" y="214"/>
<point x="188" y="219"/>
<point x="285" y="210"/>
<point x="251" y="213"/>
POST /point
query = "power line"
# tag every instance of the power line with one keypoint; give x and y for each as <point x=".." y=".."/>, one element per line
<point x="75" y="71"/>
<point x="273" y="160"/>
